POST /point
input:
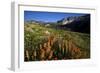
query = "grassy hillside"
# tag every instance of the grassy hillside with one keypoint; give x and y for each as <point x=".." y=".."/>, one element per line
<point x="44" y="43"/>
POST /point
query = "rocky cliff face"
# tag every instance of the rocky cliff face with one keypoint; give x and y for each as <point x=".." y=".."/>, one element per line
<point x="77" y="24"/>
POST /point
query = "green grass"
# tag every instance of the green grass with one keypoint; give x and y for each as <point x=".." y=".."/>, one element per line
<point x="35" y="35"/>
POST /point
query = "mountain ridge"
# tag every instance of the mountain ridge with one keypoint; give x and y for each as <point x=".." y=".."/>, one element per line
<point x="72" y="23"/>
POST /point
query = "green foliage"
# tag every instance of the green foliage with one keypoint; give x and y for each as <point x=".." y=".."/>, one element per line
<point x="34" y="35"/>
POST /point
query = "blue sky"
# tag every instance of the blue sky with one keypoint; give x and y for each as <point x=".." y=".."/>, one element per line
<point x="47" y="16"/>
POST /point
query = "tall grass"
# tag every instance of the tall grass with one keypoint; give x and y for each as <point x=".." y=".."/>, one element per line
<point x="42" y="43"/>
